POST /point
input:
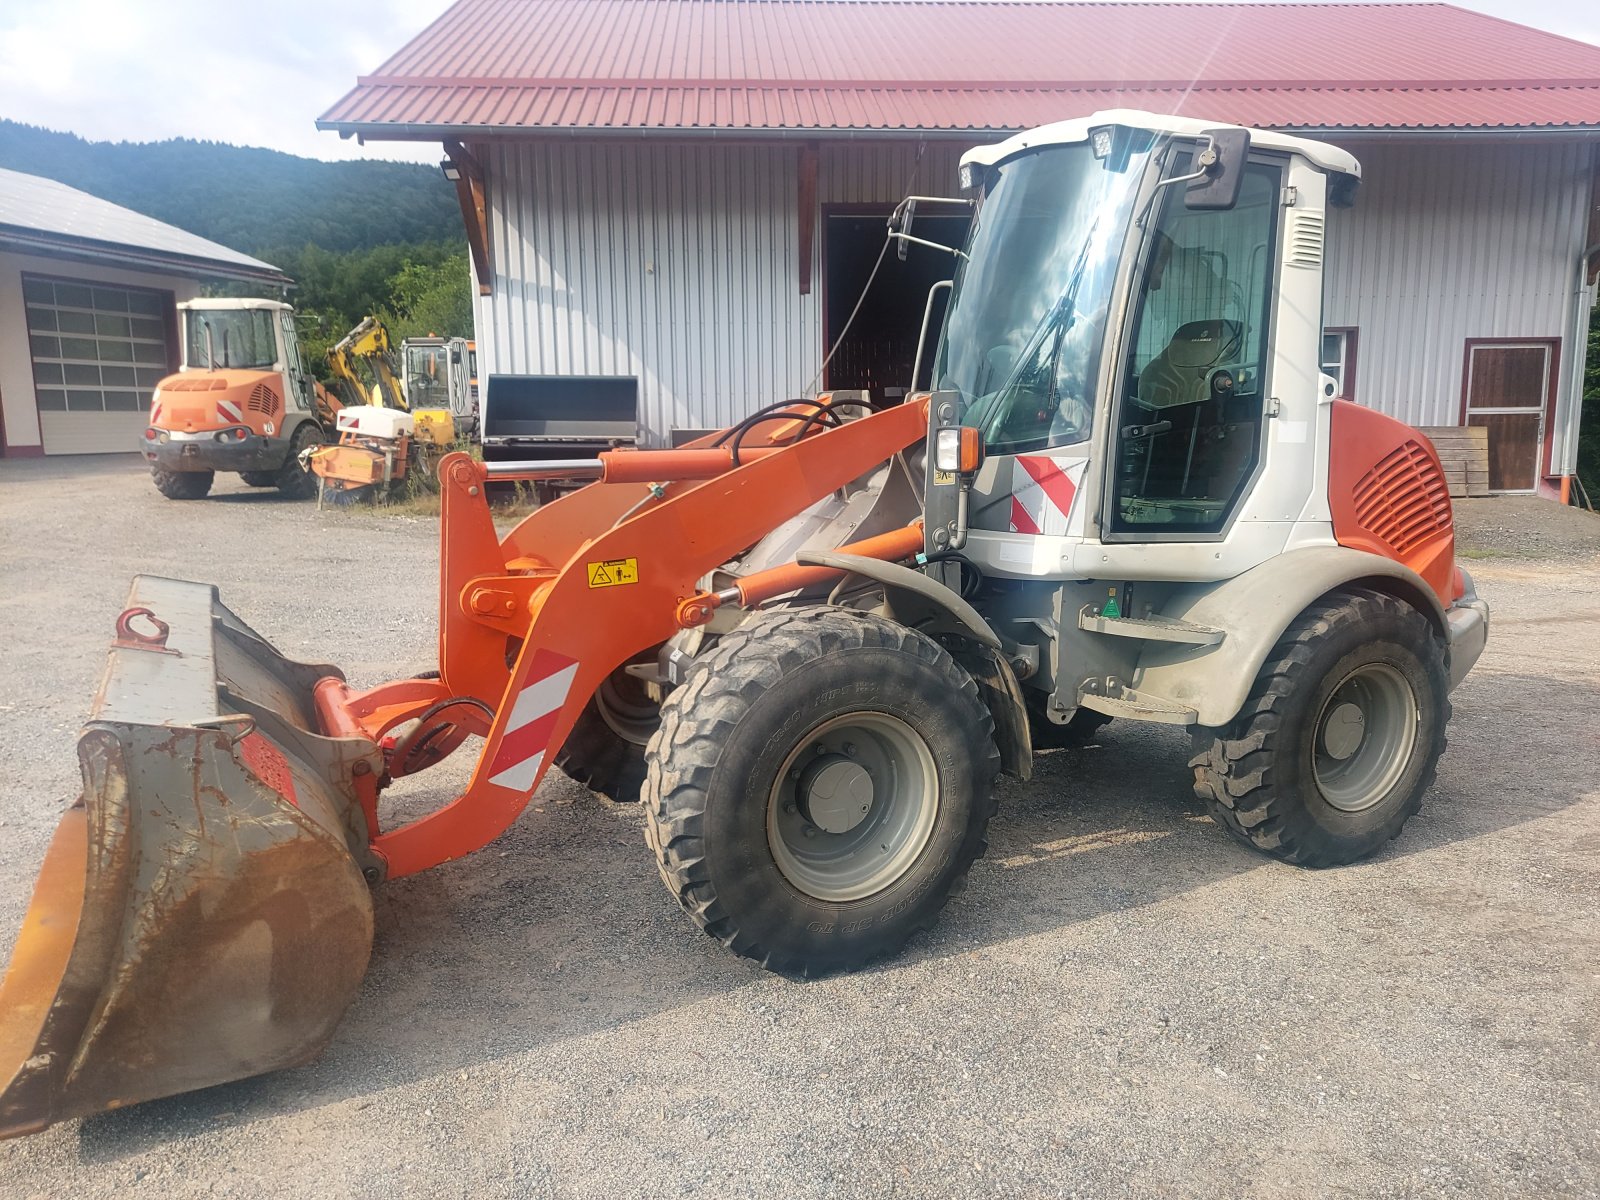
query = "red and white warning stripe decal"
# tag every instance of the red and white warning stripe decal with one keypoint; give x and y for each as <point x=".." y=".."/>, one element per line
<point x="1041" y="494"/>
<point x="533" y="719"/>
<point x="155" y="412"/>
<point x="230" y="410"/>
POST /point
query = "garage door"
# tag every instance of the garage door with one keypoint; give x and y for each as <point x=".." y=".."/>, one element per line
<point x="98" y="352"/>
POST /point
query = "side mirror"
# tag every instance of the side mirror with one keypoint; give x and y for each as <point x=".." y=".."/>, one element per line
<point x="455" y="357"/>
<point x="1342" y="190"/>
<point x="1221" y="170"/>
<point x="908" y="215"/>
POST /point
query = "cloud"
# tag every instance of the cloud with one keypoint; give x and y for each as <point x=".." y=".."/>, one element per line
<point x="251" y="73"/>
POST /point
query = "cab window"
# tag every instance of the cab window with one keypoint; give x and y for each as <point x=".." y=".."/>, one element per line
<point x="1193" y="384"/>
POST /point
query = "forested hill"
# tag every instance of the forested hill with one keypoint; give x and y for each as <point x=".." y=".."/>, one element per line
<point x="257" y="201"/>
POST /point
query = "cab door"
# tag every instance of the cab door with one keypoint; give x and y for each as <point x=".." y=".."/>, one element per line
<point x="1195" y="373"/>
<point x="298" y="379"/>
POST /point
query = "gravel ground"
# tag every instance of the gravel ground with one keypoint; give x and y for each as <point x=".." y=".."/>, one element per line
<point x="1124" y="1001"/>
<point x="1525" y="527"/>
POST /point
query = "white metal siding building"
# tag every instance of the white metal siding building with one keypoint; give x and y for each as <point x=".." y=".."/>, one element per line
<point x="677" y="264"/>
<point x="1456" y="251"/>
<point x="671" y="193"/>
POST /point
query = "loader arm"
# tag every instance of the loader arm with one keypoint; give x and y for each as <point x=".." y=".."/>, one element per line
<point x="529" y="626"/>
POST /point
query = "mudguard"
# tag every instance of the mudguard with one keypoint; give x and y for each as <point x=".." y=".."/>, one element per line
<point x="1253" y="610"/>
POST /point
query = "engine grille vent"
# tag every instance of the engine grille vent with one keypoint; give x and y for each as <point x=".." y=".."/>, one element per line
<point x="263" y="400"/>
<point x="1305" y="239"/>
<point x="1404" y="500"/>
<point x="199" y="383"/>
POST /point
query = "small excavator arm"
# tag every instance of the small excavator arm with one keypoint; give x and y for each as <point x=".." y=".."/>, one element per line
<point x="369" y="344"/>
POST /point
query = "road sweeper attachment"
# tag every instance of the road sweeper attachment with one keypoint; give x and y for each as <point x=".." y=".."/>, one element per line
<point x="201" y="915"/>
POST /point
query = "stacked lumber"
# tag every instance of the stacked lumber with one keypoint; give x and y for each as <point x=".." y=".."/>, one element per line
<point x="1464" y="453"/>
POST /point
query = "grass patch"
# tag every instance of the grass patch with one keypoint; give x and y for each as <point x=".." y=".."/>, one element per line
<point x="417" y="495"/>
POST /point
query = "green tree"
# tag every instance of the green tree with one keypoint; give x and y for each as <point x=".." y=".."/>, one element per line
<point x="1589" y="433"/>
<point x="427" y="299"/>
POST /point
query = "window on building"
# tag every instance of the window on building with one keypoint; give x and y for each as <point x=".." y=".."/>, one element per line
<point x="95" y="348"/>
<point x="1339" y="360"/>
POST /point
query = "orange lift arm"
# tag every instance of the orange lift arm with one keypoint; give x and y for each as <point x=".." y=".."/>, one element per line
<point x="530" y="625"/>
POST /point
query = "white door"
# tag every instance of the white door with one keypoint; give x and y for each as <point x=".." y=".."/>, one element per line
<point x="98" y="351"/>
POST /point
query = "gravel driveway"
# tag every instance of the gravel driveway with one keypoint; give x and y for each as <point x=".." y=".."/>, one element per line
<point x="1124" y="1001"/>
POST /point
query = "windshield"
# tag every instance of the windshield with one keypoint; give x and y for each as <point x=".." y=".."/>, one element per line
<point x="1022" y="340"/>
<point x="428" y="376"/>
<point x="239" y="337"/>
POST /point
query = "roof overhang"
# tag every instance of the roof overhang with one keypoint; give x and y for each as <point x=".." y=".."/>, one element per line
<point x="380" y="131"/>
<point x="21" y="240"/>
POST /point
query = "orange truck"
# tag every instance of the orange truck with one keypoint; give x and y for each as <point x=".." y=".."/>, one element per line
<point x="244" y="399"/>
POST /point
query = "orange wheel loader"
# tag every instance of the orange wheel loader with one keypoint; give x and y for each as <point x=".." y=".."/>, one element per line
<point x="1125" y="492"/>
<point x="243" y="400"/>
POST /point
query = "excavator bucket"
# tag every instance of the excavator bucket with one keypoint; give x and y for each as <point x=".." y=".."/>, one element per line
<point x="202" y="914"/>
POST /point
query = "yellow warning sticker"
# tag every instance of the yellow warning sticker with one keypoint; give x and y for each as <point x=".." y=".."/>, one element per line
<point x="613" y="572"/>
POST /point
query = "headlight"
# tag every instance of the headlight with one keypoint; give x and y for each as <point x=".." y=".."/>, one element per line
<point x="957" y="449"/>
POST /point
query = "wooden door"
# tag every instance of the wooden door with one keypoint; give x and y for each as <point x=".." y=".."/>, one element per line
<point x="1507" y="389"/>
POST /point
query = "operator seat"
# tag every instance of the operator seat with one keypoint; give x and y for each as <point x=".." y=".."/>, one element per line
<point x="1181" y="373"/>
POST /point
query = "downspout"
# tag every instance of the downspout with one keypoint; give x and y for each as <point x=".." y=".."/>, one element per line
<point x="1582" y="304"/>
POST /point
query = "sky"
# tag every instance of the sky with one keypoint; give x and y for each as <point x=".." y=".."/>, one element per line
<point x="260" y="73"/>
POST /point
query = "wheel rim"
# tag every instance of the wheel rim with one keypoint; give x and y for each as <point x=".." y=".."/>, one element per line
<point x="626" y="707"/>
<point x="853" y="807"/>
<point x="1365" y="736"/>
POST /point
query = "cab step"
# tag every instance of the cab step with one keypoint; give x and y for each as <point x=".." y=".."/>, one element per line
<point x="1137" y="706"/>
<point x="1151" y="629"/>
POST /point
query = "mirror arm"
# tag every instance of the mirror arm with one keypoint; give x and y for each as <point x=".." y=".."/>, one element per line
<point x="906" y="237"/>
<point x="1207" y="159"/>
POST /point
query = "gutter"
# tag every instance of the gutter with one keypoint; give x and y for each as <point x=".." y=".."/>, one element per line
<point x="411" y="132"/>
<point x="415" y="131"/>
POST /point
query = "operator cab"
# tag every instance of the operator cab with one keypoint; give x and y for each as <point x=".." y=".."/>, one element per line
<point x="224" y="334"/>
<point x="440" y="373"/>
<point x="1139" y="295"/>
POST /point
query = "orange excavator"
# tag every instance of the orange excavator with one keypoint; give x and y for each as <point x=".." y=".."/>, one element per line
<point x="817" y="636"/>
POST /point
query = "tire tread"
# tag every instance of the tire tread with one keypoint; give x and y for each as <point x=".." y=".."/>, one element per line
<point x="1235" y="766"/>
<point x="698" y="718"/>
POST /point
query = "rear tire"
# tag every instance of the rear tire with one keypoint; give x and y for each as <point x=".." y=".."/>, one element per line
<point x="292" y="479"/>
<point x="1338" y="739"/>
<point x="260" y="479"/>
<point x="183" y="485"/>
<point x="736" y="780"/>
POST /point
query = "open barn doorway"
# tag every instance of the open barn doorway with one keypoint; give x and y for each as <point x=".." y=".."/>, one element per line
<point x="878" y="353"/>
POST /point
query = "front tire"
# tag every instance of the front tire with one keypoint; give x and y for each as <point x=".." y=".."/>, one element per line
<point x="1340" y="736"/>
<point x="183" y="485"/>
<point x="820" y="787"/>
<point x="293" y="480"/>
<point x="606" y="749"/>
<point x="260" y="479"/>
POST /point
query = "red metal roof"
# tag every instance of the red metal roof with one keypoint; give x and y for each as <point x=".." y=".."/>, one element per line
<point x="941" y="65"/>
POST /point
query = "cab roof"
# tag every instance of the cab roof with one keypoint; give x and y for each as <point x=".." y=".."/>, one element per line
<point x="216" y="303"/>
<point x="1064" y="133"/>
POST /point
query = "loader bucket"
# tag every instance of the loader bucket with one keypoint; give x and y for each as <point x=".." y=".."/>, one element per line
<point x="202" y="914"/>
